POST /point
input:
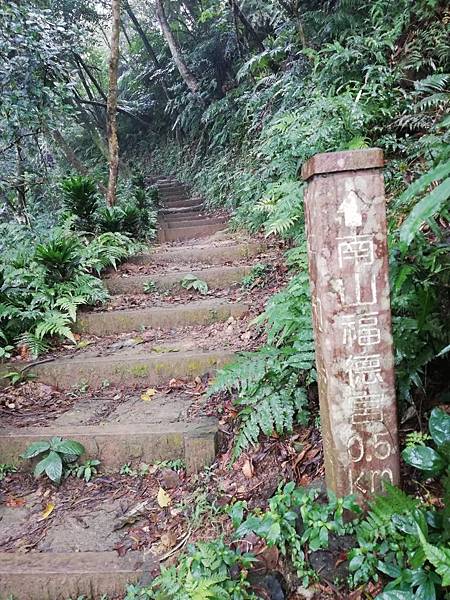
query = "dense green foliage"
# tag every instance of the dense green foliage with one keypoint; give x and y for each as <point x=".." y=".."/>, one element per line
<point x="44" y="281"/>
<point x="399" y="539"/>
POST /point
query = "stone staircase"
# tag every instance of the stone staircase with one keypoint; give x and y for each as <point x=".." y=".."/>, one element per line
<point x="183" y="217"/>
<point x="131" y="430"/>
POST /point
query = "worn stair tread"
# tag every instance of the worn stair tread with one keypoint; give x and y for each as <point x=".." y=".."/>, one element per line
<point x="185" y="211"/>
<point x="206" y="253"/>
<point x="200" y="312"/>
<point x="189" y="233"/>
<point x="202" y="221"/>
<point x="186" y="215"/>
<point x="216" y="277"/>
<point x="58" y="576"/>
<point x="117" y="443"/>
<point x="182" y="203"/>
<point x="151" y="369"/>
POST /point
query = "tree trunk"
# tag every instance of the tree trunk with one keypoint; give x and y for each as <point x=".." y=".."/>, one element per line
<point x="72" y="158"/>
<point x="247" y="25"/>
<point x="146" y="43"/>
<point x="175" y="50"/>
<point x="294" y="12"/>
<point x="21" y="188"/>
<point x="111" y="110"/>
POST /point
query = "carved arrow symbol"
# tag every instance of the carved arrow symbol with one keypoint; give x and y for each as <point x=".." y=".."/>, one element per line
<point x="350" y="209"/>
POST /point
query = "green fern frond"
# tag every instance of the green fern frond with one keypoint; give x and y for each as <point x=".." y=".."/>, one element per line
<point x="393" y="502"/>
<point x="54" y="323"/>
<point x="34" y="344"/>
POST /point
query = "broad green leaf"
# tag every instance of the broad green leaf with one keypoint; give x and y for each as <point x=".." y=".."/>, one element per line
<point x="35" y="449"/>
<point x="424" y="458"/>
<point x="69" y="447"/>
<point x="439" y="557"/>
<point x="356" y="563"/>
<point x="424" y="210"/>
<point x="439" y="426"/>
<point x="54" y="466"/>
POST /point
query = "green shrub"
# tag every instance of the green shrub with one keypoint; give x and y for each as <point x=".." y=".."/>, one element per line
<point x="58" y="454"/>
<point x="81" y="199"/>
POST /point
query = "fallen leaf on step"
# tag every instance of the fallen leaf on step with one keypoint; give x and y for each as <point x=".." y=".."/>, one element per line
<point x="163" y="498"/>
<point x="148" y="394"/>
<point x="168" y="540"/>
<point x="15" y="502"/>
<point x="84" y="344"/>
<point x="48" y="510"/>
<point x="248" y="469"/>
<point x="131" y="516"/>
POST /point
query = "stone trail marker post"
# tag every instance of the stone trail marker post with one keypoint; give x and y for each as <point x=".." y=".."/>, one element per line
<point x="348" y="264"/>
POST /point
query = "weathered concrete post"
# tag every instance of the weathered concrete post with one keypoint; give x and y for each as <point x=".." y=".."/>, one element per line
<point x="348" y="265"/>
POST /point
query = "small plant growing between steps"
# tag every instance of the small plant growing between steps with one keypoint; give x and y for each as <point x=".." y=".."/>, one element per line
<point x="56" y="457"/>
<point x="257" y="276"/>
<point x="177" y="464"/>
<point x="6" y="469"/>
<point x="86" y="470"/>
<point x="149" y="287"/>
<point x="17" y="377"/>
<point x="142" y="470"/>
<point x="191" y="282"/>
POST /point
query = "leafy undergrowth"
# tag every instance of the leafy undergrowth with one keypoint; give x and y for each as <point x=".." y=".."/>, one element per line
<point x="46" y="276"/>
<point x="43" y="285"/>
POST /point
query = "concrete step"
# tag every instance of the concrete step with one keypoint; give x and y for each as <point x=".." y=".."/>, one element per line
<point x="173" y="190"/>
<point x="215" y="277"/>
<point x="186" y="215"/>
<point x="128" y="369"/>
<point x="117" y="443"/>
<point x="168" y="185"/>
<point x="189" y="233"/>
<point x="180" y="203"/>
<point x="181" y="210"/>
<point x="203" y="253"/>
<point x="197" y="221"/>
<point x="54" y="576"/>
<point x="201" y="312"/>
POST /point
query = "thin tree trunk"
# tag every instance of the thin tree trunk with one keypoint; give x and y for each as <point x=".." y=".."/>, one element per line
<point x="125" y="33"/>
<point x="146" y="43"/>
<point x="294" y="12"/>
<point x="97" y="116"/>
<point x="247" y="25"/>
<point x="91" y="76"/>
<point x="72" y="158"/>
<point x="111" y="110"/>
<point x="175" y="50"/>
<point x="21" y="188"/>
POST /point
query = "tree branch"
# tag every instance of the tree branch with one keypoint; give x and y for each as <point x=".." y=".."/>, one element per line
<point x="121" y="110"/>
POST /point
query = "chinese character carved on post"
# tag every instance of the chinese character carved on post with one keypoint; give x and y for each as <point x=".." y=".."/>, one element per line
<point x="348" y="264"/>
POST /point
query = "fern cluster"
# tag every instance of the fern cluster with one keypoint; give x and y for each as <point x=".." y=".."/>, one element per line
<point x="209" y="570"/>
<point x="270" y="385"/>
<point x="42" y="287"/>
